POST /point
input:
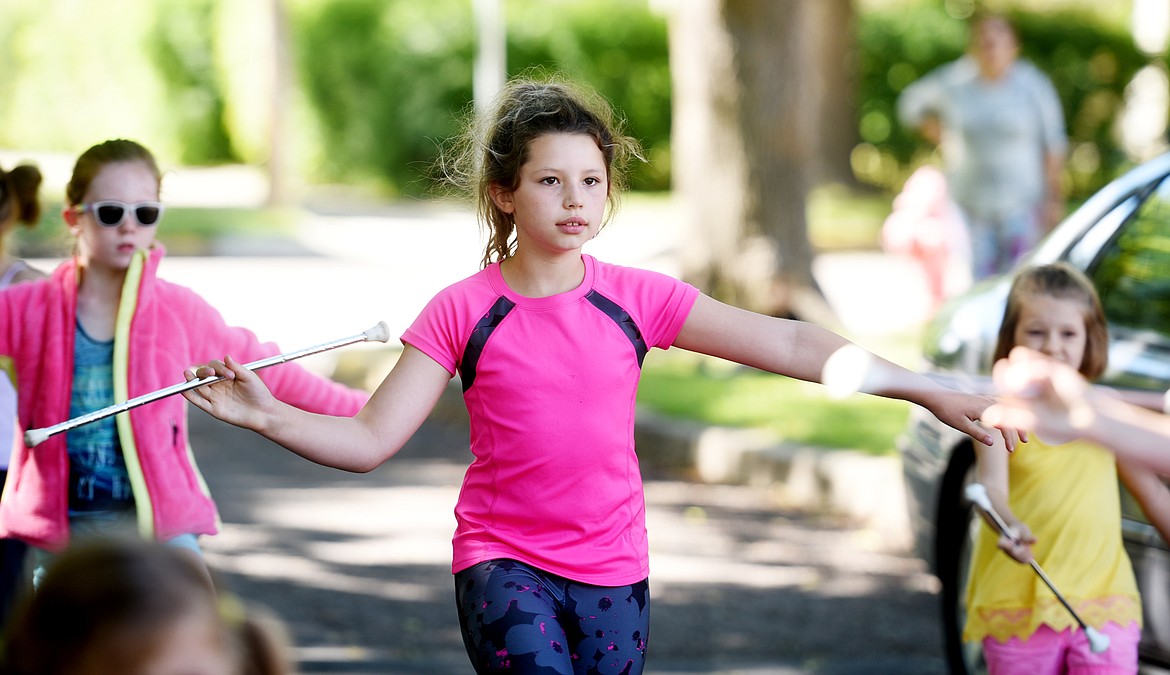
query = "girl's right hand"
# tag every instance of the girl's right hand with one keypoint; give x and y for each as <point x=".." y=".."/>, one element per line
<point x="1043" y="395"/>
<point x="1018" y="545"/>
<point x="240" y="398"/>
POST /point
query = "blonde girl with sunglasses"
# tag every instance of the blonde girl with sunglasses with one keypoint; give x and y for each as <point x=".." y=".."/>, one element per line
<point x="104" y="328"/>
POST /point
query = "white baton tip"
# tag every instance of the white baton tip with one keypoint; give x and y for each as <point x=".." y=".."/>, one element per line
<point x="977" y="494"/>
<point x="1098" y="641"/>
<point x="379" y="333"/>
<point x="34" y="437"/>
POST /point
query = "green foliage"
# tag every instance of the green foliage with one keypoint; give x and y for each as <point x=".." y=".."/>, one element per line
<point x="385" y="80"/>
<point x="897" y="46"/>
<point x="1090" y="65"/>
<point x="1089" y="61"/>
<point x="620" y="49"/>
<point x="388" y="81"/>
<point x="378" y="84"/>
<point x="1131" y="277"/>
<point x="182" y="47"/>
<point x="76" y="73"/>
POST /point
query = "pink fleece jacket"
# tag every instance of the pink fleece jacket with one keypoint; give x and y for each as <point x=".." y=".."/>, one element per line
<point x="162" y="328"/>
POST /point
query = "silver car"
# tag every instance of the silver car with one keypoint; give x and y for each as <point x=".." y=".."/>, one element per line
<point x="1121" y="239"/>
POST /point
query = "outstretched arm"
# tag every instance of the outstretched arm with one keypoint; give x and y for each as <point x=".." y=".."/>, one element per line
<point x="801" y="350"/>
<point x="1151" y="494"/>
<point x="359" y="443"/>
<point x="1052" y="399"/>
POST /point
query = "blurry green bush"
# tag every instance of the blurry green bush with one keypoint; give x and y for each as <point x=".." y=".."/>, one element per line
<point x="388" y="80"/>
<point x="378" y="83"/>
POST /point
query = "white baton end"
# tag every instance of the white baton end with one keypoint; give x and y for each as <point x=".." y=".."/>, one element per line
<point x="1098" y="641"/>
<point x="379" y="333"/>
<point x="977" y="494"/>
<point x="34" y="437"/>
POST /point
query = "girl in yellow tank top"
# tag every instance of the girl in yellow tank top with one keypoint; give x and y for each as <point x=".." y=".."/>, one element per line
<point x="1062" y="500"/>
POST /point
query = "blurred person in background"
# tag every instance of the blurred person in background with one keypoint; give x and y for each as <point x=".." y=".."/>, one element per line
<point x="927" y="226"/>
<point x="998" y="123"/>
<point x="126" y="606"/>
<point x="19" y="204"/>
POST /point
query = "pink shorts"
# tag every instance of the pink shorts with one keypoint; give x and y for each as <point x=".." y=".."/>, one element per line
<point x="1048" y="652"/>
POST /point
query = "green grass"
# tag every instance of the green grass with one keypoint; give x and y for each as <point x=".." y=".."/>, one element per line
<point x="210" y="221"/>
<point x="842" y="218"/>
<point x="712" y="391"/>
<point x="186" y="230"/>
<point x="183" y="229"/>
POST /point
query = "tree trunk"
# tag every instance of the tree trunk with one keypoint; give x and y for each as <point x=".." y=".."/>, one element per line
<point x="747" y="144"/>
<point x="833" y="28"/>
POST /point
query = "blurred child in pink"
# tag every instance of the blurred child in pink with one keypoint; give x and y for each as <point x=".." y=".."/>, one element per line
<point x="927" y="226"/>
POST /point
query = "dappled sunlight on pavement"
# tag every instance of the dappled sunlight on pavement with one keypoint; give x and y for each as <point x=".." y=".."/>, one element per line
<point x="358" y="565"/>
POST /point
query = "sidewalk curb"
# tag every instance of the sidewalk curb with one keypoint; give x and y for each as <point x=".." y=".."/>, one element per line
<point x="862" y="487"/>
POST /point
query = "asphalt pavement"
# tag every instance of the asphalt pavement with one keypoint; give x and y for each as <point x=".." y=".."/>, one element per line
<point x="358" y="567"/>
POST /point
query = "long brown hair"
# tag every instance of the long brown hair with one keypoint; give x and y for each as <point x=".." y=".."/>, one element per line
<point x="494" y="146"/>
<point x="106" y="601"/>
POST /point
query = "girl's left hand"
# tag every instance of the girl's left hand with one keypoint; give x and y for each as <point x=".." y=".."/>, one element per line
<point x="963" y="411"/>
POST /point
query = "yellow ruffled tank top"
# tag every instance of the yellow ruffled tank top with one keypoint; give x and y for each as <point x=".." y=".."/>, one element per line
<point x="1068" y="494"/>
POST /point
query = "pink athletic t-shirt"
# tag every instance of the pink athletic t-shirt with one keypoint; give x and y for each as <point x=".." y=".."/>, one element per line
<point x="550" y="386"/>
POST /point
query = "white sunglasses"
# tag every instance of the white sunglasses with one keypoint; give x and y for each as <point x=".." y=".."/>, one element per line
<point x="111" y="213"/>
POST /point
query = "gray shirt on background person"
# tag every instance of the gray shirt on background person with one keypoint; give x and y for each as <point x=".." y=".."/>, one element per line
<point x="996" y="135"/>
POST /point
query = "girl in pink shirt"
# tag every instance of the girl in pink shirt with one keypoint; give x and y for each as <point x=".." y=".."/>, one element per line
<point x="550" y="553"/>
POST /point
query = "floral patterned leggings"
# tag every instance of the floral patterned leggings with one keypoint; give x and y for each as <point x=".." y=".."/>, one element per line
<point x="518" y="619"/>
